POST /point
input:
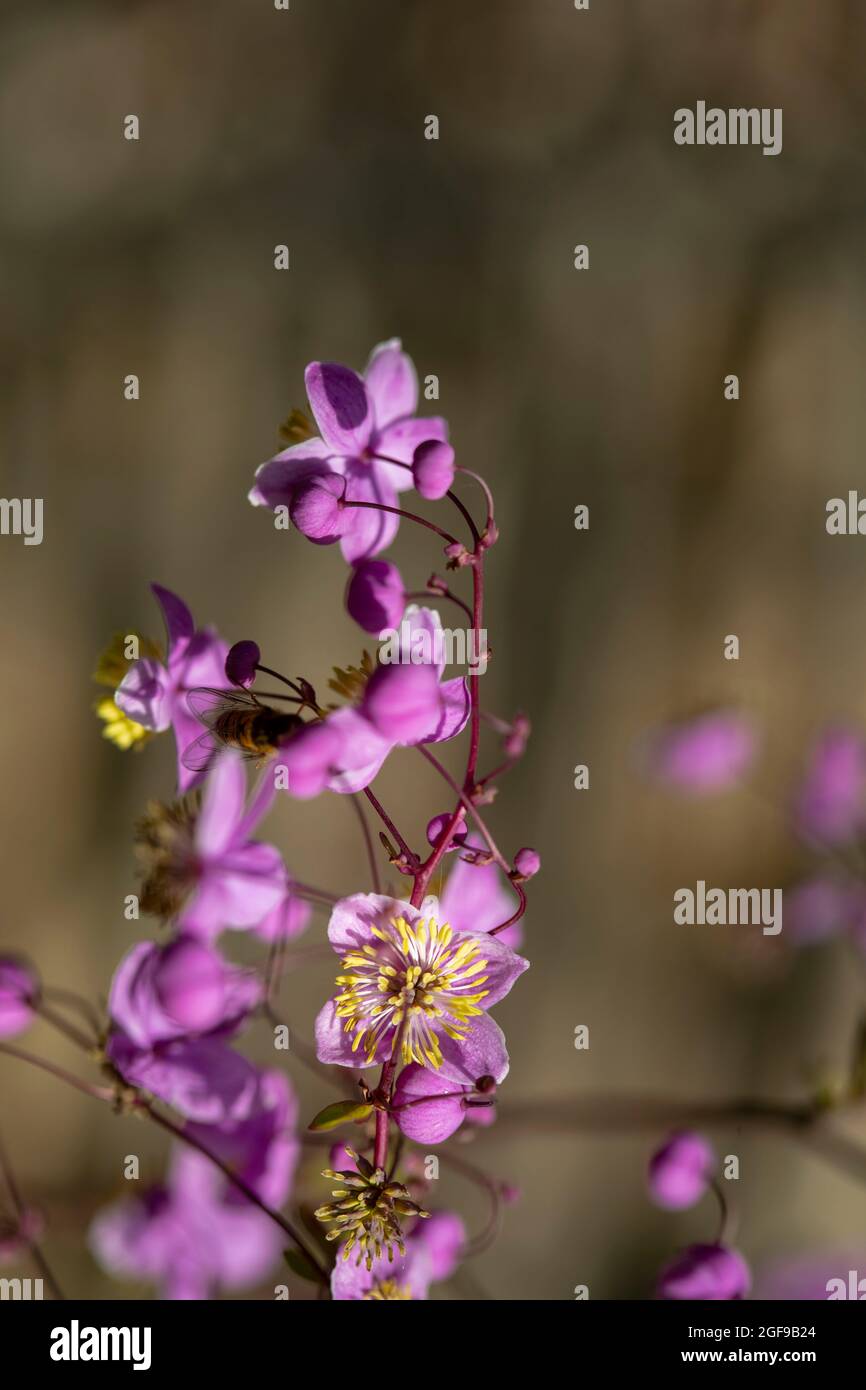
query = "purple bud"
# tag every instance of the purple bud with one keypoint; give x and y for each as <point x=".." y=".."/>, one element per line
<point x="190" y="985"/>
<point x="527" y="862"/>
<point x="19" y="988"/>
<point x="403" y="702"/>
<point x="310" y="757"/>
<point x="708" y="1273"/>
<point x="375" y="596"/>
<point x="241" y="663"/>
<point x="316" y="509"/>
<point x="680" y="1171"/>
<point x="433" y="468"/>
<point x="436" y="829"/>
<point x="516" y="739"/>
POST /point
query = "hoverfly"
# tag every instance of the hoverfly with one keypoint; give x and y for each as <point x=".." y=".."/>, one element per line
<point x="235" y="719"/>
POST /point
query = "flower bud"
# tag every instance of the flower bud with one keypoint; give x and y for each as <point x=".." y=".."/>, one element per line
<point x="436" y="829"/>
<point x="433" y="468"/>
<point x="316" y="509"/>
<point x="241" y="663"/>
<point x="403" y="702"/>
<point x="527" y="862"/>
<point x="19" y="988"/>
<point x="375" y="596"/>
<point x="680" y="1171"/>
<point x="190" y="985"/>
<point x="707" y="1273"/>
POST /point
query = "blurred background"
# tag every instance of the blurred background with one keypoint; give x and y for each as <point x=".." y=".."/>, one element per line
<point x="602" y="387"/>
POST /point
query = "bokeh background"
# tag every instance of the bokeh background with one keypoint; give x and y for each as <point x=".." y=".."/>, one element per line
<point x="601" y="387"/>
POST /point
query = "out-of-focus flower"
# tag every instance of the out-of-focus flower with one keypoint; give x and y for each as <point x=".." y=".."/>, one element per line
<point x="19" y="991"/>
<point x="375" y="595"/>
<point x="111" y="668"/>
<point x="200" y="864"/>
<point x="705" y="754"/>
<point x="288" y="919"/>
<point x="680" y="1171"/>
<point x="822" y="907"/>
<point x="362" y="422"/>
<point x="172" y="1009"/>
<point x="186" y="1236"/>
<point x="476" y="897"/>
<point x="432" y="1254"/>
<point x="830" y="805"/>
<point x="814" y="1277"/>
<point x="429" y="1108"/>
<point x="263" y="1148"/>
<point x="413" y="985"/>
<point x="153" y="693"/>
<point x="705" y="1273"/>
<point x="18" y="1232"/>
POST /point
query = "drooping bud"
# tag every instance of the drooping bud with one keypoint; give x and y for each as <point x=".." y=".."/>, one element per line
<point x="241" y="663"/>
<point x="433" y="468"/>
<point x="316" y="509"/>
<point x="375" y="595"/>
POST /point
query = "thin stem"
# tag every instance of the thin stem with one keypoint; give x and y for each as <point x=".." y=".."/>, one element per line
<point x="68" y="1030"/>
<point x="407" y="516"/>
<point x="368" y="842"/>
<point x="75" y="1001"/>
<point x="486" y="490"/>
<point x="442" y="593"/>
<point x="386" y="820"/>
<point x="30" y="1241"/>
<point x="237" y="1181"/>
<point x="104" y="1093"/>
<point x="452" y="496"/>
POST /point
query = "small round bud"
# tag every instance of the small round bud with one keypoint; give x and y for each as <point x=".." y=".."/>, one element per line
<point x="436" y="829"/>
<point x="316" y="509"/>
<point x="706" y="1273"/>
<point x="375" y="595"/>
<point x="680" y="1171"/>
<point x="527" y="862"/>
<point x="486" y="1085"/>
<point x="433" y="468"/>
<point x="241" y="663"/>
<point x="19" y="988"/>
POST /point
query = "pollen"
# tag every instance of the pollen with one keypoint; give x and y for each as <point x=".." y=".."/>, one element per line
<point x="119" y="729"/>
<point x="414" y="982"/>
<point x="389" y="1290"/>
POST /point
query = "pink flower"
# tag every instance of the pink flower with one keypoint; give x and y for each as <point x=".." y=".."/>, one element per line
<point x="705" y="1273"/>
<point x="187" y="1236"/>
<point x="432" y="1254"/>
<point x="172" y="1008"/>
<point x="438" y="984"/>
<point x="830" y="806"/>
<point x="705" y="754"/>
<point x="477" y="897"/>
<point x="19" y="989"/>
<point x="263" y="1147"/>
<point x="429" y="1108"/>
<point x="154" y="694"/>
<point x="680" y="1171"/>
<point x="360" y="419"/>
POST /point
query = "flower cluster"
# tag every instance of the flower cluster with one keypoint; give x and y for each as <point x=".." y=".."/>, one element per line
<point x="417" y="973"/>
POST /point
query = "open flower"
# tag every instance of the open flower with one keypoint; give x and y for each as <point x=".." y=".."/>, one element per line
<point x="186" y="1236"/>
<point x="432" y="1254"/>
<point x="706" y="754"/>
<point x="263" y="1148"/>
<point x="153" y="693"/>
<point x="200" y="864"/>
<point x="414" y="988"/>
<point x="362" y="421"/>
<point x="172" y="1008"/>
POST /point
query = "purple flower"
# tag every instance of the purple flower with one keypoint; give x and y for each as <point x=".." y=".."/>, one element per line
<point x="823" y="907"/>
<point x="154" y="694"/>
<point x="680" y="1171"/>
<point x="237" y="881"/>
<point x="19" y="990"/>
<point x="476" y="897"/>
<point x="437" y="985"/>
<point x="185" y="1236"/>
<point x="830" y="806"/>
<point x="429" y="1108"/>
<point x="241" y="663"/>
<point x="432" y="1253"/>
<point x="172" y="1008"/>
<point x="375" y="595"/>
<point x="262" y="1149"/>
<point x="288" y="919"/>
<point x="360" y="420"/>
<point x="706" y="1273"/>
<point x="705" y="754"/>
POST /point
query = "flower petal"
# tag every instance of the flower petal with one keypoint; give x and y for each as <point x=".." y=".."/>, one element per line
<point x="481" y="1053"/>
<point x="276" y="480"/>
<point x="179" y="624"/>
<point x="334" y="1044"/>
<point x="392" y="382"/>
<point x="222" y="806"/>
<point x="367" y="530"/>
<point x="341" y="406"/>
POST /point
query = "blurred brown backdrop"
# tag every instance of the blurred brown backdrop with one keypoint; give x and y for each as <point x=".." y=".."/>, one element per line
<point x="604" y="387"/>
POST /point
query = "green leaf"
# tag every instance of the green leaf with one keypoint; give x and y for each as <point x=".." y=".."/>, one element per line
<point x="340" y="1113"/>
<point x="300" y="1265"/>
